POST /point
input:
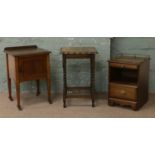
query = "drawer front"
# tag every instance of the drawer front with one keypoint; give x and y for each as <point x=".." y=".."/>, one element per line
<point x="32" y="67"/>
<point x="123" y="92"/>
<point x="127" y="66"/>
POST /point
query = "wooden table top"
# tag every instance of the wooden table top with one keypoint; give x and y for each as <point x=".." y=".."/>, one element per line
<point x="25" y="50"/>
<point x="129" y="59"/>
<point x="78" y="50"/>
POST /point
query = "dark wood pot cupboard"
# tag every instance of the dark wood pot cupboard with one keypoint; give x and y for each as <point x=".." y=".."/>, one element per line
<point x="25" y="63"/>
<point x="128" y="81"/>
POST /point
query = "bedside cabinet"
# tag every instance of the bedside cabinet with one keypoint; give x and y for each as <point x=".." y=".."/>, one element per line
<point x="128" y="81"/>
<point x="25" y="63"/>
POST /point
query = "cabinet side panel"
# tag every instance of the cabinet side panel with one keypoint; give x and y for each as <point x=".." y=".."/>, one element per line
<point x="11" y="63"/>
<point x="143" y="83"/>
<point x="32" y="67"/>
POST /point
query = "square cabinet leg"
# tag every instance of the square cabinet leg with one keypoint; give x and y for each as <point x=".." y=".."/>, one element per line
<point x="64" y="102"/>
<point x="65" y="80"/>
<point x="38" y="87"/>
<point x="18" y="95"/>
<point x="49" y="91"/>
<point x="92" y="66"/>
<point x="10" y="89"/>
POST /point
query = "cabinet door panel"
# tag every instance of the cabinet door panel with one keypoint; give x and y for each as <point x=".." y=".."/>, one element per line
<point x="33" y="67"/>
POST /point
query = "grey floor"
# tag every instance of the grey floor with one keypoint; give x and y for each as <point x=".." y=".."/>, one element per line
<point x="38" y="107"/>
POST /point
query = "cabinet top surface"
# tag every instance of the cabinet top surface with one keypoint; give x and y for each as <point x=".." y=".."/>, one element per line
<point x="25" y="50"/>
<point x="129" y="59"/>
<point x="78" y="50"/>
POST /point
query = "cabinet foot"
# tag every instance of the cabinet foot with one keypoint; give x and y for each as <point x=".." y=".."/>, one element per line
<point x="50" y="101"/>
<point x="19" y="107"/>
<point x="111" y="103"/>
<point x="38" y="93"/>
<point x="135" y="108"/>
<point x="64" y="104"/>
<point x="93" y="105"/>
<point x="10" y="98"/>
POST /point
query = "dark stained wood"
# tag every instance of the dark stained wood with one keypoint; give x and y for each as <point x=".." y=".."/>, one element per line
<point x="92" y="79"/>
<point x="34" y="65"/>
<point x="128" y="60"/>
<point x="122" y="65"/>
<point x="38" y="87"/>
<point x="123" y="91"/>
<point x="8" y="78"/>
<point x="78" y="53"/>
<point x="20" y="48"/>
<point x="25" y="50"/>
<point x="78" y="96"/>
<point x="64" y="80"/>
<point x="25" y="63"/>
<point x="128" y="81"/>
<point x="78" y="50"/>
<point x="48" y="78"/>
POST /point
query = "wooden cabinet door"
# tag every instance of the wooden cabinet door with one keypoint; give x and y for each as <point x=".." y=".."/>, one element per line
<point x="33" y="67"/>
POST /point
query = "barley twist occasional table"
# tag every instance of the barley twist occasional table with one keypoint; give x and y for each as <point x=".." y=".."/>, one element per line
<point x="78" y="53"/>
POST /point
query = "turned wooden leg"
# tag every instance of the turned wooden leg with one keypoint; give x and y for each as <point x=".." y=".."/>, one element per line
<point x="92" y="64"/>
<point x="65" y="81"/>
<point x="18" y="95"/>
<point x="10" y="89"/>
<point x="38" y="87"/>
<point x="49" y="91"/>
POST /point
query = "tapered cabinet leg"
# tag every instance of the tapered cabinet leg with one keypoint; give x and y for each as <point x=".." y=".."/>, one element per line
<point x="18" y="95"/>
<point x="38" y="87"/>
<point x="92" y="64"/>
<point x="64" y="103"/>
<point x="10" y="89"/>
<point x="49" y="91"/>
<point x="135" y="107"/>
<point x="65" y="81"/>
<point x="49" y="81"/>
<point x="111" y="103"/>
<point x="8" y="79"/>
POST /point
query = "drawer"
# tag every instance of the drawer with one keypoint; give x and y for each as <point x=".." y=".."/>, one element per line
<point x="123" y="91"/>
<point x="119" y="65"/>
